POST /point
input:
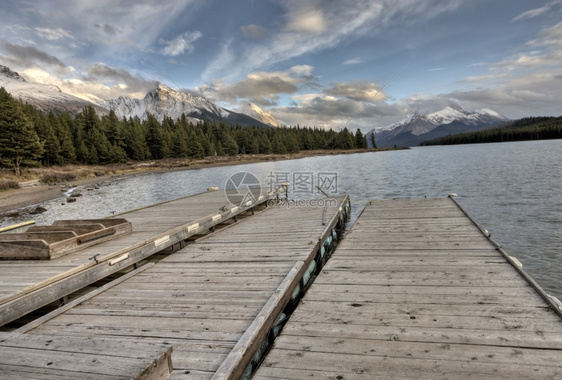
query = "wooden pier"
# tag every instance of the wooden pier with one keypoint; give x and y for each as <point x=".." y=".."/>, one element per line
<point x="218" y="302"/>
<point x="27" y="285"/>
<point x="416" y="290"/>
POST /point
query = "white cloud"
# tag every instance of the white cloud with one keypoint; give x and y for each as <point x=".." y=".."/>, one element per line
<point x="307" y="21"/>
<point x="316" y="25"/>
<point x="304" y="70"/>
<point x="262" y="88"/>
<point x="483" y="78"/>
<point x="52" y="34"/>
<point x="358" y="90"/>
<point x="181" y="44"/>
<point x="353" y="61"/>
<point x="532" y="13"/>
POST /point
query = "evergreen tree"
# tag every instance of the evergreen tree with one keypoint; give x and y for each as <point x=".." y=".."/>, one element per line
<point x="19" y="143"/>
<point x="98" y="146"/>
<point x="51" y="151"/>
<point x="291" y="143"/>
<point x="195" y="149"/>
<point x="64" y="135"/>
<point x="114" y="129"/>
<point x="179" y="145"/>
<point x="155" y="138"/>
<point x="278" y="146"/>
<point x="82" y="153"/>
<point x="360" y="140"/>
<point x="229" y="146"/>
<point x="373" y="142"/>
<point x="134" y="139"/>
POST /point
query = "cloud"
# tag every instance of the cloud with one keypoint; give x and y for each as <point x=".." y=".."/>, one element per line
<point x="551" y="36"/>
<point x="532" y="13"/>
<point x="316" y="25"/>
<point x="303" y="70"/>
<point x="306" y="21"/>
<point x="261" y="88"/>
<point x="181" y="44"/>
<point x="326" y="111"/>
<point x="253" y="31"/>
<point x="102" y="82"/>
<point x="358" y="90"/>
<point x="483" y="78"/>
<point x="52" y="34"/>
<point x="28" y="56"/>
<point x="547" y="51"/>
<point x="353" y="61"/>
<point x="133" y="84"/>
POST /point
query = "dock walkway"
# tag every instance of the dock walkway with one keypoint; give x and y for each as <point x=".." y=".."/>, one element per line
<point x="417" y="291"/>
<point x="26" y="285"/>
<point x="218" y="301"/>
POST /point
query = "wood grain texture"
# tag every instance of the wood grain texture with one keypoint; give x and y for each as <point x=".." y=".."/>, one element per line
<point x="416" y="290"/>
<point x="222" y="292"/>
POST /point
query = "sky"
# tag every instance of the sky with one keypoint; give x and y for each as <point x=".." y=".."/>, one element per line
<point x="325" y="63"/>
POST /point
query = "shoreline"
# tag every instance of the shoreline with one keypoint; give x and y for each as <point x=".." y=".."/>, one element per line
<point x="34" y="192"/>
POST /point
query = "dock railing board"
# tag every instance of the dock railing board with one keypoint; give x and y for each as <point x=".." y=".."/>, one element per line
<point x="72" y="272"/>
<point x="219" y="301"/>
<point x="554" y="302"/>
<point x="417" y="290"/>
<point x="19" y="227"/>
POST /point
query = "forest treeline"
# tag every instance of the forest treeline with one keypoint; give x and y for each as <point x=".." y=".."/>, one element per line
<point x="529" y="128"/>
<point x="29" y="137"/>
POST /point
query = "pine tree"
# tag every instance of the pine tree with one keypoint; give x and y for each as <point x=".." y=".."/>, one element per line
<point x="155" y="138"/>
<point x="179" y="144"/>
<point x="19" y="143"/>
<point x="373" y="142"/>
<point x="98" y="146"/>
<point x="64" y="135"/>
<point x="360" y="140"/>
<point x="134" y="139"/>
<point x="114" y="129"/>
<point x="51" y="152"/>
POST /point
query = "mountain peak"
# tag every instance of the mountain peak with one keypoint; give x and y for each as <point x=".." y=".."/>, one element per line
<point x="262" y="115"/>
<point x="449" y="120"/>
<point x="7" y="72"/>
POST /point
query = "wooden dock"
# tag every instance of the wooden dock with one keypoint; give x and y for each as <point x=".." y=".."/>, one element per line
<point x="68" y="358"/>
<point x="416" y="290"/>
<point x="219" y="301"/>
<point x="27" y="285"/>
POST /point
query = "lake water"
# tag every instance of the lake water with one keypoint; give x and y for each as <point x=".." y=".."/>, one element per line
<point x="513" y="190"/>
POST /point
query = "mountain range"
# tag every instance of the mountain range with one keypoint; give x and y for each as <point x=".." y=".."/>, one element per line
<point x="421" y="127"/>
<point x="161" y="102"/>
<point x="164" y="101"/>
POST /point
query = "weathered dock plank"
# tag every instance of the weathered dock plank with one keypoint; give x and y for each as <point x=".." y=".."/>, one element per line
<point x="27" y="286"/>
<point x="48" y="357"/>
<point x="416" y="290"/>
<point x="221" y="293"/>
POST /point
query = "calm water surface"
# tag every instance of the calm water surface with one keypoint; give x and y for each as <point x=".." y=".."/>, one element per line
<point x="513" y="190"/>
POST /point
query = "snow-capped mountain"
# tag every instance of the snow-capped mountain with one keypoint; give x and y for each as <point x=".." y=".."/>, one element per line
<point x="164" y="101"/>
<point x="262" y="115"/>
<point x="449" y="120"/>
<point x="45" y="97"/>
